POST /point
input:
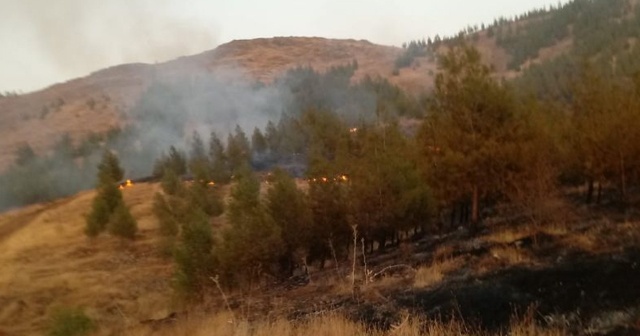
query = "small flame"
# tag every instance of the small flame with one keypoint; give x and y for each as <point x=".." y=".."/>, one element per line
<point x="211" y="183"/>
<point x="353" y="130"/>
<point x="344" y="177"/>
<point x="129" y="183"/>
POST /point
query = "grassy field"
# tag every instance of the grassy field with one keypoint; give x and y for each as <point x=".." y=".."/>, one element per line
<point x="47" y="263"/>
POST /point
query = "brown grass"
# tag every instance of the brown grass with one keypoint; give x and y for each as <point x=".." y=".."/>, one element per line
<point x="332" y="325"/>
<point x="509" y="235"/>
<point x="48" y="263"/>
<point x="510" y="255"/>
<point x="433" y="274"/>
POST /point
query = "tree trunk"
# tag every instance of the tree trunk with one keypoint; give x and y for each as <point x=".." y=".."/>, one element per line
<point x="452" y="224"/>
<point x="589" y="191"/>
<point x="599" y="195"/>
<point x="623" y="179"/>
<point x="466" y="212"/>
<point x="475" y="208"/>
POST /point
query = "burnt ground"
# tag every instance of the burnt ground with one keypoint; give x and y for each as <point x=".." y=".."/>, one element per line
<point x="584" y="279"/>
<point x="575" y="293"/>
<point x="584" y="292"/>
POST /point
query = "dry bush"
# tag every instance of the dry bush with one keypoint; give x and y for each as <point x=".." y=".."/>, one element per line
<point x="434" y="273"/>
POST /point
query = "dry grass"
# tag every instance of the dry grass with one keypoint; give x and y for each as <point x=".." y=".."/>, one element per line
<point x="434" y="273"/>
<point x="509" y="235"/>
<point x="332" y="325"/>
<point x="556" y="229"/>
<point x="510" y="255"/>
<point x="48" y="263"/>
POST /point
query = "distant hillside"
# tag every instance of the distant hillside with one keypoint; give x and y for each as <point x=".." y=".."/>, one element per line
<point x="101" y="101"/>
<point x="541" y="50"/>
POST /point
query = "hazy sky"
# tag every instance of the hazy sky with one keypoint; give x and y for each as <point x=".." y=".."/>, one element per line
<point x="43" y="42"/>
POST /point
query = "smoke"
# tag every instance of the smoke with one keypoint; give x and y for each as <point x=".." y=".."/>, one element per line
<point x="176" y="105"/>
<point x="170" y="111"/>
<point x="70" y="38"/>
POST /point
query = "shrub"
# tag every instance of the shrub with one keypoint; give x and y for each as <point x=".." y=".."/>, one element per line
<point x="70" y="322"/>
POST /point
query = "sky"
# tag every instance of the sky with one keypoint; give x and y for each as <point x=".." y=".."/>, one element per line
<point x="45" y="42"/>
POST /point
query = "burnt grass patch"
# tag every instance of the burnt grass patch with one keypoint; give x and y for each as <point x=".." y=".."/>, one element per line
<point x="582" y="286"/>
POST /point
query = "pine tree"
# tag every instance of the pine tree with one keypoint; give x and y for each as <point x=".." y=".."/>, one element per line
<point x="238" y="150"/>
<point x="171" y="184"/>
<point x="109" y="168"/>
<point x="122" y="223"/>
<point x="169" y="224"/>
<point x="220" y="172"/>
<point x="108" y="209"/>
<point x="194" y="257"/>
<point x="463" y="139"/>
<point x="252" y="245"/>
<point x="289" y="208"/>
<point x="198" y="159"/>
<point x="258" y="142"/>
<point x="98" y="217"/>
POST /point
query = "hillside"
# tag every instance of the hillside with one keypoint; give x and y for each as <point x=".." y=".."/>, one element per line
<point x="294" y="185"/>
<point x="125" y="287"/>
<point x="102" y="100"/>
<point x="541" y="44"/>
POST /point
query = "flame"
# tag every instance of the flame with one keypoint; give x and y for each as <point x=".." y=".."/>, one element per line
<point x="211" y="183"/>
<point x="120" y="187"/>
<point x="344" y="177"/>
<point x="324" y="179"/>
<point x="353" y="130"/>
<point x="128" y="183"/>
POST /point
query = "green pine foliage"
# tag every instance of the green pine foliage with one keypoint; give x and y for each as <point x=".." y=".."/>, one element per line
<point x="121" y="223"/>
<point x="253" y="242"/>
<point x="288" y="207"/>
<point x="170" y="183"/>
<point x="98" y="217"/>
<point x="195" y="261"/>
<point x="108" y="211"/>
<point x="109" y="168"/>
<point x="166" y="215"/>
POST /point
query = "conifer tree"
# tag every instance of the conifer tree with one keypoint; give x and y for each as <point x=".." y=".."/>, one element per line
<point x="108" y="208"/>
<point x="194" y="256"/>
<point x="472" y="117"/>
<point x="198" y="158"/>
<point x="288" y="206"/>
<point x="258" y="142"/>
<point x="252" y="245"/>
<point x="220" y="172"/>
<point x="122" y="223"/>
